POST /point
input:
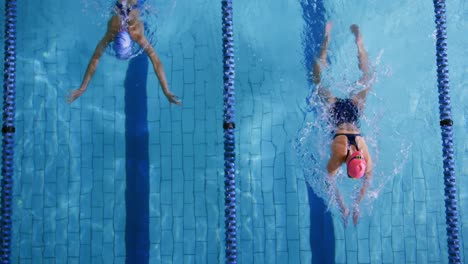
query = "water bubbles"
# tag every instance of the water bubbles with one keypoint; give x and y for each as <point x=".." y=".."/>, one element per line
<point x="312" y="153"/>
<point x="312" y="146"/>
<point x="106" y="9"/>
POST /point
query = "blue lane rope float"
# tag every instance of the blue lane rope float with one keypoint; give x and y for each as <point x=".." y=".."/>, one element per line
<point x="8" y="128"/>
<point x="446" y="125"/>
<point x="229" y="128"/>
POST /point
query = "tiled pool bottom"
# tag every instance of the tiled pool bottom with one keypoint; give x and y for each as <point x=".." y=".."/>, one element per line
<point x="406" y="224"/>
<point x="70" y="179"/>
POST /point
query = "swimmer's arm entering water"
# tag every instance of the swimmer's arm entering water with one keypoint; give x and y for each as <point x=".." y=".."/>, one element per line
<point x="136" y="32"/>
<point x="332" y="167"/>
<point x="112" y="29"/>
<point x="365" y="186"/>
<point x="368" y="176"/>
<point x="362" y="191"/>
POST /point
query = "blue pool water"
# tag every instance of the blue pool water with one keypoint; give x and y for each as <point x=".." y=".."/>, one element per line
<point x="73" y="199"/>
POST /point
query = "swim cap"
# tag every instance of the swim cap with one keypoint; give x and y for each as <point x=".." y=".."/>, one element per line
<point x="356" y="165"/>
<point x="123" y="45"/>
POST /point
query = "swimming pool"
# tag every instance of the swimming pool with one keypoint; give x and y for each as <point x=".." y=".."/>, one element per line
<point x="71" y="161"/>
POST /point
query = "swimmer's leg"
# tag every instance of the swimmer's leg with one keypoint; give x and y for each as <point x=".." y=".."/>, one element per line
<point x="136" y="31"/>
<point x="362" y="54"/>
<point x="326" y="94"/>
<point x="363" y="66"/>
<point x="323" y="92"/>
<point x="322" y="59"/>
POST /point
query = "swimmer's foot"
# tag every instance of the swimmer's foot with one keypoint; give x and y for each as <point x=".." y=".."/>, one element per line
<point x="357" y="34"/>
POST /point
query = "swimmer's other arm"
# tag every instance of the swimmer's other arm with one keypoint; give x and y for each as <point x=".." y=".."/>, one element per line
<point x="367" y="178"/>
<point x="138" y="36"/>
<point x="112" y="27"/>
<point x="365" y="185"/>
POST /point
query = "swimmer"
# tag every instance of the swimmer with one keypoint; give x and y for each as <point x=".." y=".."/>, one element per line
<point x="123" y="27"/>
<point x="348" y="145"/>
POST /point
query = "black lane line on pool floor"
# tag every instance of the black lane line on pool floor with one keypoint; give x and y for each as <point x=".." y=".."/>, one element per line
<point x="137" y="242"/>
<point x="322" y="235"/>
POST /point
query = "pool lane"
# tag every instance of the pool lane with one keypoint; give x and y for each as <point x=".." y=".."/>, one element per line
<point x="137" y="240"/>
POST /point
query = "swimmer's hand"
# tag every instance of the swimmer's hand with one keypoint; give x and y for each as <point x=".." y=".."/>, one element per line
<point x="356" y="215"/>
<point x="74" y="94"/>
<point x="173" y="99"/>
<point x="344" y="215"/>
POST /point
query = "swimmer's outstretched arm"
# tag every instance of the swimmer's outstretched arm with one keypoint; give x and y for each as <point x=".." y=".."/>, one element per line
<point x="112" y="28"/>
<point x="362" y="191"/>
<point x="136" y="32"/>
<point x="333" y="165"/>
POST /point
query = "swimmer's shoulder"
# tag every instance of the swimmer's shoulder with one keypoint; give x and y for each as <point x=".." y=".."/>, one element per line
<point x="365" y="150"/>
<point x="362" y="144"/>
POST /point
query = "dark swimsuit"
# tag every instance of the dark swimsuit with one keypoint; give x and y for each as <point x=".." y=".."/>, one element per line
<point x="351" y="141"/>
